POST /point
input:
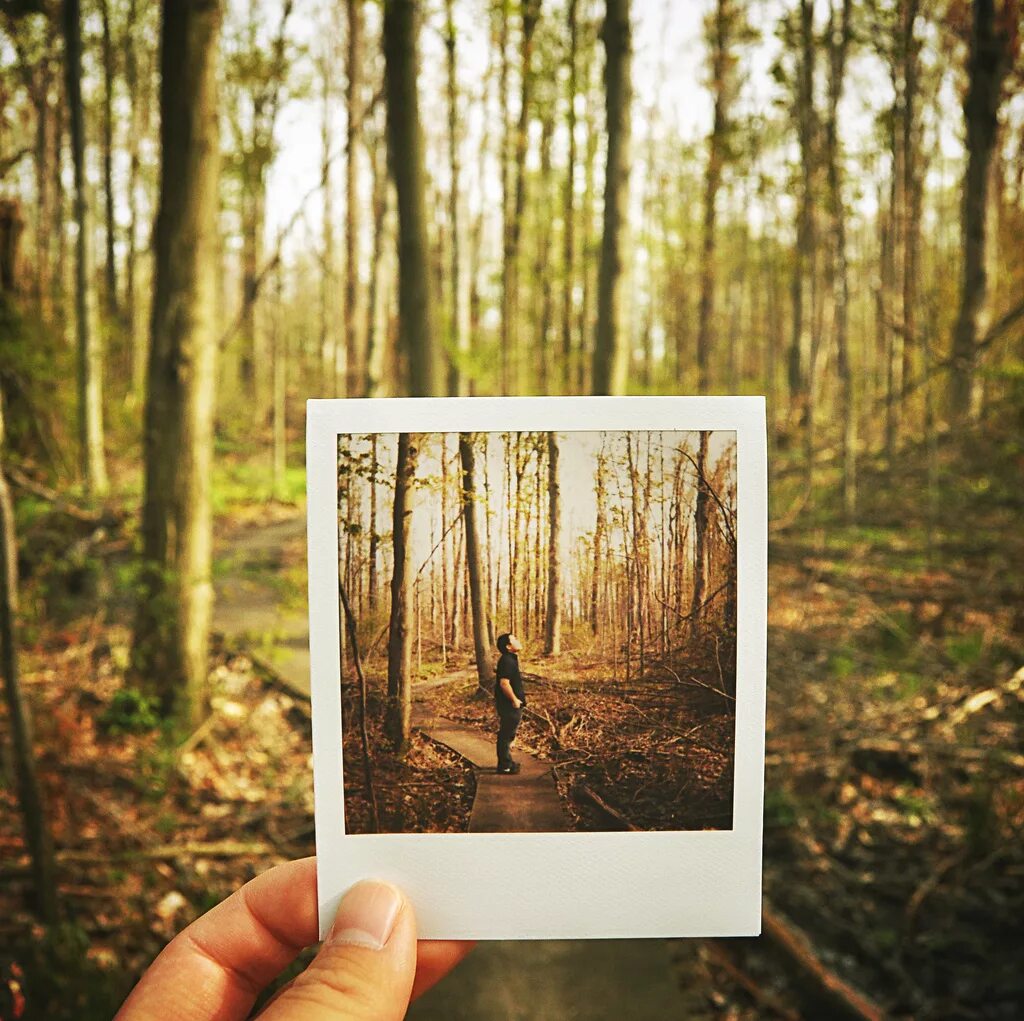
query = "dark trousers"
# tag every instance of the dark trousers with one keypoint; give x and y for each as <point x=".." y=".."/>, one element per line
<point x="509" y="720"/>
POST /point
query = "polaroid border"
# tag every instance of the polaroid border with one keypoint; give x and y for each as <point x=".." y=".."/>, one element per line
<point x="567" y="885"/>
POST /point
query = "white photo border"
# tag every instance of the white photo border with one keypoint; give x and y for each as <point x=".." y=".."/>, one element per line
<point x="547" y="885"/>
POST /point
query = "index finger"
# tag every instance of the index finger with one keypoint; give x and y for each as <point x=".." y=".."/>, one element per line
<point x="214" y="969"/>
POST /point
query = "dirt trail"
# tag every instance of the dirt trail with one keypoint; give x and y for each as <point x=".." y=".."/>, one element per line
<point x="251" y="610"/>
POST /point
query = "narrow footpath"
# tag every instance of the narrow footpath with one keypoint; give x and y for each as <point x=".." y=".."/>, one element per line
<point x="525" y="803"/>
<point x="250" y="609"/>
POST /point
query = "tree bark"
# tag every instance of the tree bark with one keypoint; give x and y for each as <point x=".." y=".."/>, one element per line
<point x="569" y="205"/>
<point x="457" y="338"/>
<point x="371" y="586"/>
<point x="700" y="529"/>
<point x="90" y="345"/>
<point x="600" y="478"/>
<point x="416" y="311"/>
<point x="173" y="619"/>
<point x="140" y="95"/>
<point x="353" y="100"/>
<point x="803" y="263"/>
<point x="328" y="274"/>
<point x="473" y="558"/>
<point x="719" y="25"/>
<point x="611" y="342"/>
<point x="399" y="712"/>
<point x="30" y="796"/>
<point x="375" y="337"/>
<point x="839" y="34"/>
<point x="513" y="233"/>
<point x="110" y="265"/>
<point x="987" y="67"/>
<point x="553" y="636"/>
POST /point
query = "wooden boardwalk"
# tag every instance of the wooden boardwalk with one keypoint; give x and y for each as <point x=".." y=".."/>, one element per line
<point x="525" y="803"/>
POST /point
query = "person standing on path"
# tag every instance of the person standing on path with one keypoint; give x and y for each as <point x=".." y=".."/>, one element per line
<point x="509" y="699"/>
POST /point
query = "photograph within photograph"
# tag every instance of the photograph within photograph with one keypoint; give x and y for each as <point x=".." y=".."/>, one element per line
<point x="538" y="630"/>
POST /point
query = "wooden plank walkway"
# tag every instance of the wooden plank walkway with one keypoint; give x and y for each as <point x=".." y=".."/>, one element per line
<point x="525" y="803"/>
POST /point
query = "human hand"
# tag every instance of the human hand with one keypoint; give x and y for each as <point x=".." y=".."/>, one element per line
<point x="368" y="969"/>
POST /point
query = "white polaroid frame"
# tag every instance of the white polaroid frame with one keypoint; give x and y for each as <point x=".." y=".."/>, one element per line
<point x="547" y="885"/>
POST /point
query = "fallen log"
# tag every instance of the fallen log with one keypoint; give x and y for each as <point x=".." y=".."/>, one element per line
<point x="830" y="995"/>
<point x="765" y="998"/>
<point x="581" y="790"/>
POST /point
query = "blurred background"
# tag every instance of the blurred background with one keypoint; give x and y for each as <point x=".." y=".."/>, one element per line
<point x="210" y="211"/>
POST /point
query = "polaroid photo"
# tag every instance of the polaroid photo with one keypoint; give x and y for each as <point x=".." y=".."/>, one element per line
<point x="537" y="639"/>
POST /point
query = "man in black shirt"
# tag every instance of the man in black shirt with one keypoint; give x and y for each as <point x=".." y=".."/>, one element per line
<point x="509" y="699"/>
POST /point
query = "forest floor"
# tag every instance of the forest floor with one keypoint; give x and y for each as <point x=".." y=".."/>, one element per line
<point x="895" y="780"/>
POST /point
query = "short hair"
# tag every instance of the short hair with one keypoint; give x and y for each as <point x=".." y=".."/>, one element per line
<point x="502" y="642"/>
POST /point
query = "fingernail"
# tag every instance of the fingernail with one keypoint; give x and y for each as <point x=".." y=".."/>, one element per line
<point x="366" y="915"/>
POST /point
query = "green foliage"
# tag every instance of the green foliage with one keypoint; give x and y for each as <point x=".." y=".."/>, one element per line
<point x="780" y="809"/>
<point x="841" y="664"/>
<point x="965" y="650"/>
<point x="242" y="483"/>
<point x="917" y="805"/>
<point x="895" y="633"/>
<point x="130" y="712"/>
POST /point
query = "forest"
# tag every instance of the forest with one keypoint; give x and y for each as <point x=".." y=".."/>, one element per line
<point x="212" y="210"/>
<point x="611" y="556"/>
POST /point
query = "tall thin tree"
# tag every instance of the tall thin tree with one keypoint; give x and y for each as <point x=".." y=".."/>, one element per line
<point x="994" y="37"/>
<point x="90" y="345"/>
<point x="417" y="324"/>
<point x="553" y="619"/>
<point x="399" y="708"/>
<point x="467" y="456"/>
<point x="611" y="343"/>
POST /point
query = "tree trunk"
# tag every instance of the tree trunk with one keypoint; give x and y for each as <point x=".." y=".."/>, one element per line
<point x="375" y="337"/>
<point x="700" y="538"/>
<point x="600" y="478"/>
<point x="718" y="29"/>
<point x="90" y="345"/>
<point x="912" y="182"/>
<point x="30" y="796"/>
<point x="172" y="625"/>
<point x="803" y="262"/>
<point x="139" y="92"/>
<point x="279" y="369"/>
<point x="371" y="586"/>
<point x="328" y="275"/>
<point x="611" y="342"/>
<point x="399" y="713"/>
<point x="553" y="635"/>
<point x="988" y="64"/>
<point x="541" y="273"/>
<point x="110" y="266"/>
<point x="473" y="557"/>
<point x="513" y="233"/>
<point x="569" y="206"/>
<point x="416" y="311"/>
<point x="353" y="355"/>
<point x="457" y="337"/>
<point x="838" y="44"/>
<point x="507" y="324"/>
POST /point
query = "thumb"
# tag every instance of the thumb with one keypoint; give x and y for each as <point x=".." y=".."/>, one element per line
<point x="365" y="968"/>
